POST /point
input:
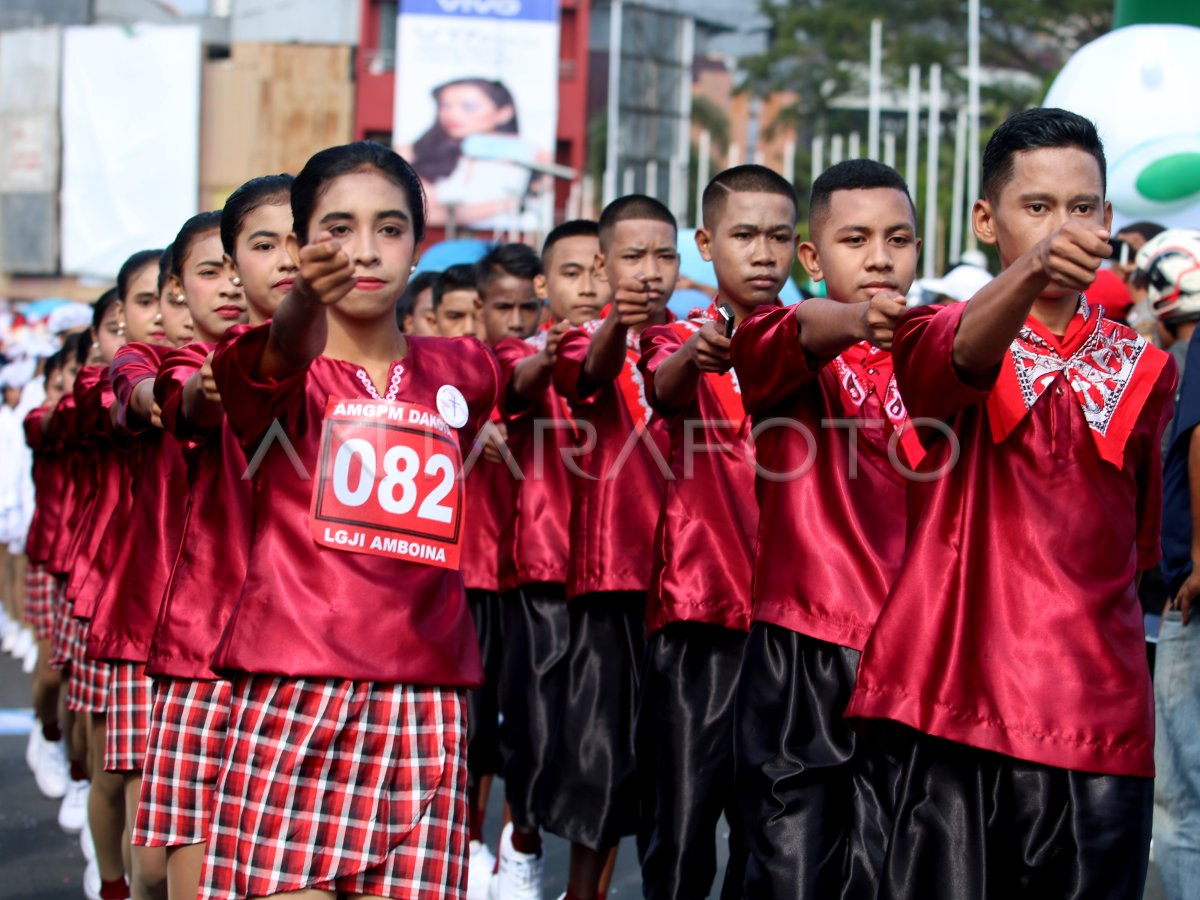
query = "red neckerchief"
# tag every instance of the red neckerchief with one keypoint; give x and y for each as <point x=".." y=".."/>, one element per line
<point x="864" y="370"/>
<point x="630" y="382"/>
<point x="1105" y="364"/>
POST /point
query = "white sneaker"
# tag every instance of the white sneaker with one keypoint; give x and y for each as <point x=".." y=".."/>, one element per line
<point x="73" y="812"/>
<point x="33" y="747"/>
<point x="479" y="871"/>
<point x="29" y="662"/>
<point x="520" y="874"/>
<point x="86" y="844"/>
<point x="91" y="881"/>
<point x="53" y="773"/>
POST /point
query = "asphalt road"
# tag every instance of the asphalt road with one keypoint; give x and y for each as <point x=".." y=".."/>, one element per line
<point x="39" y="862"/>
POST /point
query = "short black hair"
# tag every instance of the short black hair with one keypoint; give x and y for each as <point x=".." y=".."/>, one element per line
<point x="853" y="175"/>
<point x="1148" y="230"/>
<point x="456" y="278"/>
<point x="630" y="207"/>
<point x="570" y="229"/>
<point x="1037" y="129"/>
<point x="132" y="266"/>
<point x="407" y="303"/>
<point x="333" y="162"/>
<point x="748" y="179"/>
<point x="275" y="190"/>
<point x="517" y="260"/>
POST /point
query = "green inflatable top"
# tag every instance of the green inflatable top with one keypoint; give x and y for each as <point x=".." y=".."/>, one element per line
<point x="1156" y="12"/>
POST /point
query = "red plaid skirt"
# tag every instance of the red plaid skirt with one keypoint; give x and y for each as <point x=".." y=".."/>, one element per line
<point x="183" y="758"/>
<point x="88" y="683"/>
<point x="128" y="718"/>
<point x="60" y="640"/>
<point x="40" y="590"/>
<point x="343" y="786"/>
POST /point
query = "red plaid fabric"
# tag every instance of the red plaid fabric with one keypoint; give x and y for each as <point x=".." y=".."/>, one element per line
<point x="128" y="718"/>
<point x="183" y="758"/>
<point x="40" y="589"/>
<point x="60" y="640"/>
<point x="87" y="685"/>
<point x="343" y="786"/>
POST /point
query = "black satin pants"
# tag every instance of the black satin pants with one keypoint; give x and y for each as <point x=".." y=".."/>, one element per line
<point x="591" y="785"/>
<point x="533" y="668"/>
<point x="483" y="704"/>
<point x="974" y="825"/>
<point x="685" y="761"/>
<point x="809" y="795"/>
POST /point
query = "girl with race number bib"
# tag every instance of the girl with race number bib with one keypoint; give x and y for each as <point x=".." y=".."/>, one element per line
<point x="191" y="704"/>
<point x="350" y="647"/>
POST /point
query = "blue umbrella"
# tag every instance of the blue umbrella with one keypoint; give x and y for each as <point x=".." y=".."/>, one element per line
<point x="694" y="266"/>
<point x="40" y="309"/>
<point x="443" y="255"/>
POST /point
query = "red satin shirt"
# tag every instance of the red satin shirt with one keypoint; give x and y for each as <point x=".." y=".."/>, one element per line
<point x="1014" y="623"/>
<point x="62" y="440"/>
<point x="127" y="610"/>
<point x="704" y="543"/>
<point x="311" y="611"/>
<point x="48" y="487"/>
<point x="618" y="487"/>
<point x="211" y="566"/>
<point x="489" y="508"/>
<point x="535" y="546"/>
<point x="831" y="529"/>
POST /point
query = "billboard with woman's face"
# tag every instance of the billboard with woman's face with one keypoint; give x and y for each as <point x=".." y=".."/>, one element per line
<point x="476" y="101"/>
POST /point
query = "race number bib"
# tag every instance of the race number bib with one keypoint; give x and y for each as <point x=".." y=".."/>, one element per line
<point x="388" y="483"/>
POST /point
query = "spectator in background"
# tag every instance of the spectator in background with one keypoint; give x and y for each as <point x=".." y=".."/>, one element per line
<point x="414" y="310"/>
<point x="1128" y="242"/>
<point x="1169" y="268"/>
<point x="958" y="285"/>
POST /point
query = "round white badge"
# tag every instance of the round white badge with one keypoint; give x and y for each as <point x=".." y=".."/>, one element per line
<point x="452" y="406"/>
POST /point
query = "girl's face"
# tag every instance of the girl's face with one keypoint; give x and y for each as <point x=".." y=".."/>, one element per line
<point x="464" y="109"/>
<point x="369" y="216"/>
<point x="54" y="387"/>
<point x="109" y="339"/>
<point x="67" y="376"/>
<point x="263" y="263"/>
<point x="142" y="321"/>
<point x="176" y="319"/>
<point x="215" y="302"/>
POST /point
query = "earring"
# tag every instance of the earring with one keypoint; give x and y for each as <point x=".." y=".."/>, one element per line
<point x="121" y="328"/>
<point x="237" y="281"/>
<point x="180" y="298"/>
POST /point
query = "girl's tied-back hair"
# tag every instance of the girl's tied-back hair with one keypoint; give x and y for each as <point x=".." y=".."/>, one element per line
<point x="334" y="162"/>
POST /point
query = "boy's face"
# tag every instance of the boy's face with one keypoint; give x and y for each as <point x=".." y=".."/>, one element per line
<point x="572" y="284"/>
<point x="642" y="249"/>
<point x="751" y="246"/>
<point x="1049" y="187"/>
<point x="510" y="308"/>
<point x="424" y="322"/>
<point x="456" y="314"/>
<point x="865" y="243"/>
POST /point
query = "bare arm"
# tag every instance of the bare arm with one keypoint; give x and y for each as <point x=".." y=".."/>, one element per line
<point x="532" y="376"/>
<point x="299" y="327"/>
<point x="993" y="317"/>
<point x="200" y="404"/>
<point x="828" y="327"/>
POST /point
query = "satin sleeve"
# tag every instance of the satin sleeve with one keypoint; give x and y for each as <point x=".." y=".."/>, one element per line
<point x="252" y="402"/>
<point x="32" y="426"/>
<point x="568" y="368"/>
<point x="177" y="367"/>
<point x="923" y="350"/>
<point x="509" y="353"/>
<point x="769" y="360"/>
<point x="132" y="365"/>
<point x="657" y="345"/>
<point x="1150" y="471"/>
